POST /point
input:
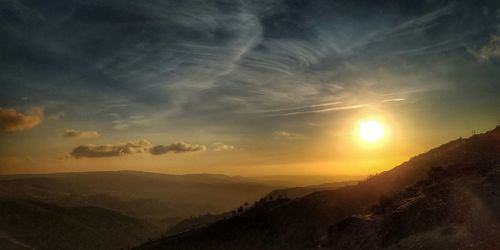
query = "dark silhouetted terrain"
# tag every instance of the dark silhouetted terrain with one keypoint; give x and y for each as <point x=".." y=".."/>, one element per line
<point x="450" y="192"/>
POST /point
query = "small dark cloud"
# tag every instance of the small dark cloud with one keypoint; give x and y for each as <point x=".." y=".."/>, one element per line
<point x="178" y="147"/>
<point x="72" y="133"/>
<point x="110" y="150"/>
<point x="11" y="120"/>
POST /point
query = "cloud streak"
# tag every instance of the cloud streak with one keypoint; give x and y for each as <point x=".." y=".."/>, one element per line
<point x="339" y="108"/>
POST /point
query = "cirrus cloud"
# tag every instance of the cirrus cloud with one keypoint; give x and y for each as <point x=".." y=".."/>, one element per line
<point x="11" y="120"/>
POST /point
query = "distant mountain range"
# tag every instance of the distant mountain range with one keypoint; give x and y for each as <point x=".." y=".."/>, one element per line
<point x="141" y="194"/>
<point x="113" y="210"/>
<point x="446" y="198"/>
<point x="99" y="210"/>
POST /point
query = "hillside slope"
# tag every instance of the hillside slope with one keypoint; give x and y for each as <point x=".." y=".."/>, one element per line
<point x="301" y="223"/>
<point x="455" y="208"/>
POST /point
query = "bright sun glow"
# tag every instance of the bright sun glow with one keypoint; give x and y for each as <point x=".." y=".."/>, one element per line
<point x="371" y="131"/>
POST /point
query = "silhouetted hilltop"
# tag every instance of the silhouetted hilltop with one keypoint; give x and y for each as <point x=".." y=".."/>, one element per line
<point x="306" y="222"/>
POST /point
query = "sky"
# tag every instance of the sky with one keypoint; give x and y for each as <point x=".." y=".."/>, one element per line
<point x="241" y="87"/>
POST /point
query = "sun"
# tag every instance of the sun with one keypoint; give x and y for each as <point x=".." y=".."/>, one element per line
<point x="371" y="131"/>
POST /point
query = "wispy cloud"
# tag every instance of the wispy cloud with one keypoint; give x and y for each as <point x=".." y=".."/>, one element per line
<point x="322" y="110"/>
<point x="394" y="100"/>
<point x="301" y="107"/>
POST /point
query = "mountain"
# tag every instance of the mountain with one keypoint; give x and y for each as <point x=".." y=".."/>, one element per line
<point x="111" y="210"/>
<point x="328" y="218"/>
<point x="145" y="195"/>
<point x="37" y="225"/>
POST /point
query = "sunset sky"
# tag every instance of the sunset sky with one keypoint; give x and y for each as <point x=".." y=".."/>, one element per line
<point x="241" y="87"/>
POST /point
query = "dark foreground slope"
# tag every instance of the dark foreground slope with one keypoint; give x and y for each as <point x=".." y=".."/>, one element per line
<point x="456" y="207"/>
<point x="305" y="222"/>
<point x="37" y="225"/>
